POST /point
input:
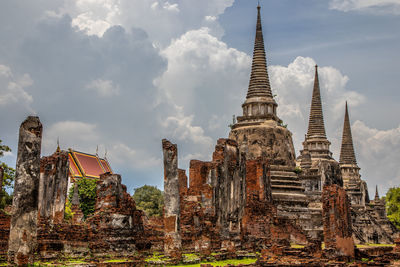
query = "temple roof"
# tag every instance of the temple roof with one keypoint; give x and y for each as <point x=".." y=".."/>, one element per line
<point x="316" y="125"/>
<point x="259" y="81"/>
<point x="347" y="155"/>
<point x="86" y="165"/>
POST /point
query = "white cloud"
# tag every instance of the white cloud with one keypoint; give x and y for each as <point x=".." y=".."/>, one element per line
<point x="203" y="74"/>
<point x="161" y="19"/>
<point x="210" y="18"/>
<point x="72" y="134"/>
<point x="293" y="85"/>
<point x="122" y="154"/>
<point x="373" y="6"/>
<point x="182" y="129"/>
<point x="104" y="88"/>
<point x="13" y="89"/>
<point x="85" y="22"/>
<point x="377" y="155"/>
<point x="171" y="7"/>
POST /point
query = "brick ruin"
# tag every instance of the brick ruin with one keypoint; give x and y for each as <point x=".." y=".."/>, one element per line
<point x="337" y="221"/>
<point x="23" y="227"/>
<point x="253" y="196"/>
<point x="228" y="204"/>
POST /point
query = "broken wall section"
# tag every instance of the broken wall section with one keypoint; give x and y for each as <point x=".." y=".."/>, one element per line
<point x="53" y="186"/>
<point x="337" y="222"/>
<point x="228" y="205"/>
<point x="116" y="225"/>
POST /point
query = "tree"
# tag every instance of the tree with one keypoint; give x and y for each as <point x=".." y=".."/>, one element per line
<point x="8" y="179"/>
<point x="149" y="199"/>
<point x="393" y="205"/>
<point x="87" y="195"/>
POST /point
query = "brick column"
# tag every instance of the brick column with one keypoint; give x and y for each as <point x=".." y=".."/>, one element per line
<point x="23" y="231"/>
<point x="172" y="236"/>
<point x="337" y="221"/>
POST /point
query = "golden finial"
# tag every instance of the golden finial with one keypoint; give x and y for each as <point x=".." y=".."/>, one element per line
<point x="58" y="145"/>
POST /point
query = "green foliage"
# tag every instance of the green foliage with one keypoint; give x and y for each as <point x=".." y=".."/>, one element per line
<point x="3" y="148"/>
<point x="149" y="199"/>
<point x="68" y="214"/>
<point x="5" y="199"/>
<point x="8" y="179"/>
<point x="87" y="195"/>
<point x="298" y="170"/>
<point x="393" y="205"/>
<point x="280" y="122"/>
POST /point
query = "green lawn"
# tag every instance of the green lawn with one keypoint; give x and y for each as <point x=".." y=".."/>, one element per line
<point x="221" y="263"/>
<point x="374" y="245"/>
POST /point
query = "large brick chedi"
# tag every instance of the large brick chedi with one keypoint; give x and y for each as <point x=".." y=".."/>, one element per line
<point x="53" y="186"/>
<point x="337" y="221"/>
<point x="260" y="133"/>
<point x="172" y="237"/>
<point x="23" y="231"/>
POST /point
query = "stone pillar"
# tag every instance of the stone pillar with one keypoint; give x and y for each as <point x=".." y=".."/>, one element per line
<point x="23" y="231"/>
<point x="172" y="236"/>
<point x="337" y="222"/>
<point x="53" y="186"/>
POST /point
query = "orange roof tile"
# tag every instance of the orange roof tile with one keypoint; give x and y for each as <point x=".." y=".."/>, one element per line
<point x="87" y="165"/>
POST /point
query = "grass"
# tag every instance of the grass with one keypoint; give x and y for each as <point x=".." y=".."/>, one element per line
<point x="117" y="260"/>
<point x="221" y="263"/>
<point x="296" y="246"/>
<point x="369" y="245"/>
<point x="190" y="257"/>
<point x="155" y="258"/>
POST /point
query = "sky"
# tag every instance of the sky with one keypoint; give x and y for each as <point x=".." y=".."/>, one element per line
<point x="121" y="75"/>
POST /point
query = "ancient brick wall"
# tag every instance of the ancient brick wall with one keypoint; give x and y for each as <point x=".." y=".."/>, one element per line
<point x="228" y="205"/>
<point x="153" y="233"/>
<point x="337" y="221"/>
<point x="53" y="186"/>
<point x="5" y="220"/>
<point x="116" y="224"/>
<point x="116" y="227"/>
<point x="259" y="212"/>
<point x="63" y="239"/>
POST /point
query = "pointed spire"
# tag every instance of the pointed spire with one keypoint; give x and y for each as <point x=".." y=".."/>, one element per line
<point x="347" y="155"/>
<point x="58" y="145"/>
<point x="376" y="193"/>
<point x="259" y="80"/>
<point x="316" y="125"/>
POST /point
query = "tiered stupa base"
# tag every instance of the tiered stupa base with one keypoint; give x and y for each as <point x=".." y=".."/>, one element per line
<point x="269" y="139"/>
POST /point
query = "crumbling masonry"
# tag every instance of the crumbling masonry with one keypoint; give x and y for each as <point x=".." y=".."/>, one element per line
<point x="23" y="228"/>
<point x="253" y="196"/>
